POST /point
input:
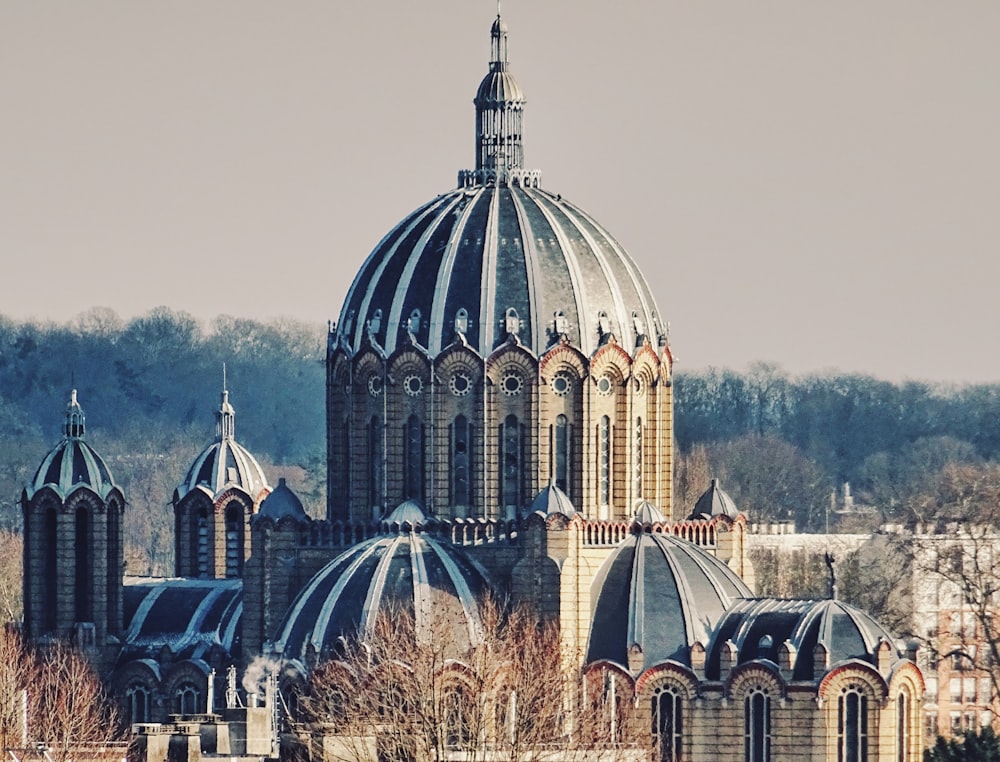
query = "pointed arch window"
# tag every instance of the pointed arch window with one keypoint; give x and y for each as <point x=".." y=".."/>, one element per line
<point x="757" y="726"/>
<point x="604" y="463"/>
<point x="201" y="542"/>
<point x="461" y="462"/>
<point x="375" y="463"/>
<point x="137" y="703"/>
<point x="852" y="725"/>
<point x="510" y="464"/>
<point x="84" y="582"/>
<point x="561" y="453"/>
<point x="413" y="459"/>
<point x="637" y="460"/>
<point x="234" y="540"/>
<point x="668" y="724"/>
<point x="51" y="572"/>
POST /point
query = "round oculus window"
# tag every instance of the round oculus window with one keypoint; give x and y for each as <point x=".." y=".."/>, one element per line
<point x="639" y="387"/>
<point x="511" y="384"/>
<point x="413" y="385"/>
<point x="562" y="384"/>
<point x="460" y="384"/>
<point x="604" y="386"/>
<point x="374" y="385"/>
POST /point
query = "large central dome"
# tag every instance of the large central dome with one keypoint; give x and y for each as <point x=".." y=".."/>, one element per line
<point x="498" y="339"/>
<point x="470" y="259"/>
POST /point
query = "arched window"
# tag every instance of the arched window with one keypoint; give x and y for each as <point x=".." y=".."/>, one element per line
<point x="461" y="462"/>
<point x="201" y="542"/>
<point x="604" y="464"/>
<point x="637" y="461"/>
<point x="615" y="705"/>
<point x="186" y="698"/>
<point x="510" y="464"/>
<point x="137" y="703"/>
<point x="505" y="717"/>
<point x="903" y="733"/>
<point x="51" y="573"/>
<point x="234" y="540"/>
<point x="561" y="453"/>
<point x="375" y="463"/>
<point x="668" y="724"/>
<point x="757" y="726"/>
<point x="456" y="720"/>
<point x="852" y="725"/>
<point x="413" y="459"/>
<point x="84" y="582"/>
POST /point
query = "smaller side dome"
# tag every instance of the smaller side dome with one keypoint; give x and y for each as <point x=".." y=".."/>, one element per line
<point x="656" y="596"/>
<point x="432" y="583"/>
<point x="647" y="513"/>
<point x="757" y="627"/>
<point x="72" y="463"/>
<point x="408" y="512"/>
<point x="225" y="463"/>
<point x="715" y="502"/>
<point x="552" y="500"/>
<point x="282" y="503"/>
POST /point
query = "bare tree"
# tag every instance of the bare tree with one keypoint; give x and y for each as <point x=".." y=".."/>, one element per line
<point x="67" y="709"/>
<point x="393" y="694"/>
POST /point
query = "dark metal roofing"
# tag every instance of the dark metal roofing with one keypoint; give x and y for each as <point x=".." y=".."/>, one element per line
<point x="429" y="581"/>
<point x="661" y="594"/>
<point x="552" y="500"/>
<point x="189" y="616"/>
<point x="282" y="504"/>
<point x="758" y="628"/>
<point x="485" y="250"/>
<point x="69" y="465"/>
<point x="715" y="502"/>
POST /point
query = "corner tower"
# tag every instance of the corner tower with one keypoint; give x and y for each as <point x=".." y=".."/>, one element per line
<point x="223" y="488"/>
<point x="497" y="340"/>
<point x="73" y="548"/>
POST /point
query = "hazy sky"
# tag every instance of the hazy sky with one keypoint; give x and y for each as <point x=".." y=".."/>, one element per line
<point x="811" y="183"/>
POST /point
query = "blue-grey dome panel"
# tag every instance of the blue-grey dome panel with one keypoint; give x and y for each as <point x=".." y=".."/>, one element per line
<point x="486" y="249"/>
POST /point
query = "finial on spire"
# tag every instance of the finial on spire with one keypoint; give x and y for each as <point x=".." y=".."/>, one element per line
<point x="225" y="419"/>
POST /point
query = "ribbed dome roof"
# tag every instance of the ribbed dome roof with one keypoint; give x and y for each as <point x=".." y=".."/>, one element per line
<point x="647" y="513"/>
<point x="463" y="260"/>
<point x="225" y="463"/>
<point x="552" y="500"/>
<point x="429" y="581"/>
<point x="498" y="86"/>
<point x="72" y="463"/>
<point x="758" y="628"/>
<point x="282" y="503"/>
<point x="655" y="596"/>
<point x="715" y="502"/>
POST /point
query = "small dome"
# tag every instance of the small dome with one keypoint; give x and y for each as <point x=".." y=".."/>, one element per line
<point x="552" y="500"/>
<point x="408" y="512"/>
<point x="225" y="463"/>
<point x="715" y="502"/>
<point x="430" y="581"/>
<point x="72" y="463"/>
<point x="757" y="628"/>
<point x="648" y="513"/>
<point x="499" y="87"/>
<point x="655" y="596"/>
<point x="282" y="504"/>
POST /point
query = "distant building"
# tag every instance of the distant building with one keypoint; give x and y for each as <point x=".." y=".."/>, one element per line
<point x="499" y="418"/>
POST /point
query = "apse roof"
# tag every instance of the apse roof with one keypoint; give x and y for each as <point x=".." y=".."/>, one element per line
<point x="188" y="616"/>
<point x="658" y="594"/>
<point x="429" y="581"/>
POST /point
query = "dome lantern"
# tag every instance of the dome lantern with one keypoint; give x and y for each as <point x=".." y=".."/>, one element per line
<point x="499" y="105"/>
<point x="75" y="419"/>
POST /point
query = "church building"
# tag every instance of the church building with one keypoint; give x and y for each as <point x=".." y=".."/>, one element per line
<point x="499" y="420"/>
